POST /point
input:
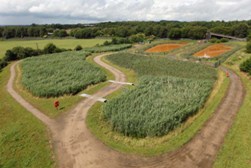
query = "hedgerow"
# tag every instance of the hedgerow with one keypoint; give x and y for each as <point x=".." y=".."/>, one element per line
<point x="100" y="49"/>
<point x="59" y="74"/>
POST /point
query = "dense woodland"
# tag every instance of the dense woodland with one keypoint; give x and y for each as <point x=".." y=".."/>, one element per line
<point x="162" y="29"/>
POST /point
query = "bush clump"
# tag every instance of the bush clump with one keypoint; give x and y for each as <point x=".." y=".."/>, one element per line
<point x="248" y="47"/>
<point x="246" y="66"/>
<point x="78" y="48"/>
<point x="222" y="40"/>
<point x="3" y="64"/>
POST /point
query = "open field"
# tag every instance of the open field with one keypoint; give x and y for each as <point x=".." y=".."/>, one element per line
<point x="62" y="43"/>
<point x="60" y="74"/>
<point x="213" y="51"/>
<point x="236" y="151"/>
<point x="24" y="139"/>
<point x="165" y="47"/>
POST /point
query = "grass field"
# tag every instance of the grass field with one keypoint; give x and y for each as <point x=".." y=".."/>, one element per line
<point x="23" y="138"/>
<point x="59" y="74"/>
<point x="236" y="151"/>
<point x="151" y="146"/>
<point x="62" y="43"/>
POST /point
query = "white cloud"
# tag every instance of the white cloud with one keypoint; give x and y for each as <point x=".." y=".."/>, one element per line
<point x="73" y="11"/>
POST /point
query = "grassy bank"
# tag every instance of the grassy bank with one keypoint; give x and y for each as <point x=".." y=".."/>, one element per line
<point x="236" y="151"/>
<point x="23" y="138"/>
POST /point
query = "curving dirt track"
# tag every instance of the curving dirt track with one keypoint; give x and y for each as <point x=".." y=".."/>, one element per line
<point x="76" y="147"/>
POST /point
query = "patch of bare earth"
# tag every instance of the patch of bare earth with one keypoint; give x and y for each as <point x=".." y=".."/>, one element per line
<point x="165" y="47"/>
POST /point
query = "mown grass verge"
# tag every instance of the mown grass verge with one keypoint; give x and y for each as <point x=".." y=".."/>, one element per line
<point x="155" y="146"/>
<point x="23" y="138"/>
<point x="236" y="150"/>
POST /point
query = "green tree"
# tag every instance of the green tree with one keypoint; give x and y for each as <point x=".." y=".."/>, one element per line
<point x="249" y="37"/>
<point x="10" y="56"/>
<point x="1" y="32"/>
<point x="241" y="30"/>
<point x="50" y="48"/>
<point x="106" y="43"/>
<point x="60" y="33"/>
<point x="175" y="33"/>
<point x="248" y="47"/>
<point x="8" y="32"/>
<point x="137" y="38"/>
<point x="222" y="30"/>
<point x="246" y="66"/>
<point x="3" y="64"/>
<point x="185" y="32"/>
<point x="42" y="31"/>
<point x="78" y="48"/>
<point x="197" y="32"/>
<point x="149" y="31"/>
<point x="163" y="32"/>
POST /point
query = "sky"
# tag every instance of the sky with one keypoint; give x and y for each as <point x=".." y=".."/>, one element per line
<point x="16" y="12"/>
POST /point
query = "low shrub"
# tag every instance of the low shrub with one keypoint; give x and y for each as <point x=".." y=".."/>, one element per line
<point x="3" y="64"/>
<point x="78" y="48"/>
<point x="224" y="40"/>
<point x="246" y="66"/>
<point x="248" y="47"/>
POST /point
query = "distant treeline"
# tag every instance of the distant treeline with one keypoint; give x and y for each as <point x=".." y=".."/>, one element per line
<point x="162" y="29"/>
